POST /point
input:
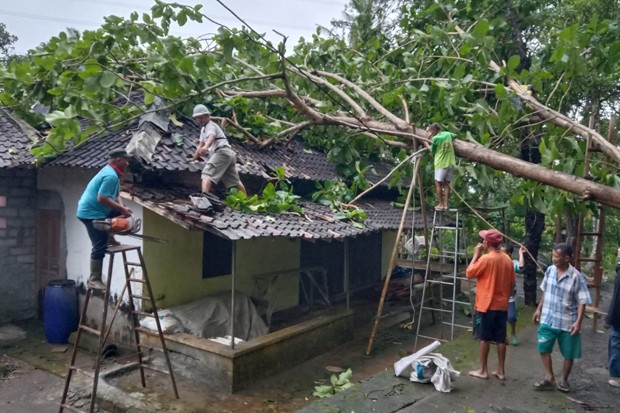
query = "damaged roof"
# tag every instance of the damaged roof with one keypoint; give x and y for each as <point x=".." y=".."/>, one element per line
<point x="317" y="223"/>
<point x="174" y="147"/>
<point x="16" y="138"/>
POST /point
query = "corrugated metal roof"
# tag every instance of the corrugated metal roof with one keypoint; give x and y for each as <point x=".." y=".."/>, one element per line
<point x="317" y="222"/>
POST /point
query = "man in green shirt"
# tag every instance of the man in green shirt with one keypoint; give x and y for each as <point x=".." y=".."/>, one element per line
<point x="442" y="150"/>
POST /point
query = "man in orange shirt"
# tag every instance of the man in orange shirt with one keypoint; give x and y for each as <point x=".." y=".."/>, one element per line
<point x="496" y="281"/>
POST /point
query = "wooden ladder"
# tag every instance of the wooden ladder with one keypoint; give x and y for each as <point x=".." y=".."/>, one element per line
<point x="102" y="333"/>
<point x="596" y="259"/>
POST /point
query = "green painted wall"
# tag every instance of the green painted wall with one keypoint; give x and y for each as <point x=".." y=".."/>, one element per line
<point x="387" y="245"/>
<point x="175" y="268"/>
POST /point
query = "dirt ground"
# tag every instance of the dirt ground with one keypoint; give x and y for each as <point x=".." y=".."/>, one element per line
<point x="35" y="368"/>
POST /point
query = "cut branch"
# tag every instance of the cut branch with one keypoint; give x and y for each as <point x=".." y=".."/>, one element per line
<point x="561" y="120"/>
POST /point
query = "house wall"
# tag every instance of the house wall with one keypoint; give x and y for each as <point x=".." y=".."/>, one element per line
<point x="18" y="293"/>
<point x="69" y="183"/>
<point x="175" y="268"/>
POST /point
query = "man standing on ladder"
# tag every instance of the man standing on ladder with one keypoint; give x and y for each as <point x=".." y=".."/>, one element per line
<point x="442" y="150"/>
<point x="100" y="200"/>
<point x="496" y="281"/>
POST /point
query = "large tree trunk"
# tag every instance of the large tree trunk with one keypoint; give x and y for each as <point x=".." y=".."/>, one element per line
<point x="534" y="223"/>
<point x="586" y="189"/>
<point x="534" y="226"/>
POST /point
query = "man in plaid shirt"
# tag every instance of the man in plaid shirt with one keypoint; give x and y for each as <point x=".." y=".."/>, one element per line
<point x="560" y="314"/>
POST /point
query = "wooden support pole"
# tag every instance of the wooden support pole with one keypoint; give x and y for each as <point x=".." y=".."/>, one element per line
<point x="388" y="275"/>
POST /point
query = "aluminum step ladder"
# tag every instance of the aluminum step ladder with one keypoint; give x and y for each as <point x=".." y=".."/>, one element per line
<point x="103" y="333"/>
<point x="447" y="247"/>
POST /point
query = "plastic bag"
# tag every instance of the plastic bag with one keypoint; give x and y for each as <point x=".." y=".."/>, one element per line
<point x="169" y="323"/>
<point x="425" y="366"/>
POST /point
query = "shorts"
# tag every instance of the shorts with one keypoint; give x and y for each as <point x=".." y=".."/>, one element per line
<point x="570" y="346"/>
<point x="444" y="175"/>
<point x="512" y="312"/>
<point x="490" y="326"/>
<point x="222" y="166"/>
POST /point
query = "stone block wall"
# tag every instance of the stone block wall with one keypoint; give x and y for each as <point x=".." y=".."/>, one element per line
<point x="18" y="294"/>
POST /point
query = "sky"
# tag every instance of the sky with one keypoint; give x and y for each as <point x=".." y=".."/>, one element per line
<point x="36" y="21"/>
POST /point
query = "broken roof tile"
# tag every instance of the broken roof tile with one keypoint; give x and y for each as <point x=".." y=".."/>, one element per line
<point x="174" y="204"/>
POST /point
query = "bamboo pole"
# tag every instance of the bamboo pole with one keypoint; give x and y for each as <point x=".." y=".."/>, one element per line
<point x="392" y="259"/>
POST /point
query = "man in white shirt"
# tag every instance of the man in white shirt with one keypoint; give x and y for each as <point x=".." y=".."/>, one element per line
<point x="222" y="162"/>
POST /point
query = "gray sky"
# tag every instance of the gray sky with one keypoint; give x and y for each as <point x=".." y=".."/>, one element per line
<point x="36" y="21"/>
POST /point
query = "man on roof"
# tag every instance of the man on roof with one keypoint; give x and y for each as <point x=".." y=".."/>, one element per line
<point x="222" y="162"/>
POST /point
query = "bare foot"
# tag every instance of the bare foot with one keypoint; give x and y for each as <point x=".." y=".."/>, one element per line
<point x="499" y="376"/>
<point x="478" y="374"/>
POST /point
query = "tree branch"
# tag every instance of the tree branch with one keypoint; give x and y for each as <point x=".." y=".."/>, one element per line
<point x="399" y="123"/>
<point x="238" y="127"/>
<point x="561" y="120"/>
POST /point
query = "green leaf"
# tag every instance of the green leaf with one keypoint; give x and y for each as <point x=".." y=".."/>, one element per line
<point x="55" y="117"/>
<point x="513" y="63"/>
<point x="481" y="28"/>
<point x="107" y="79"/>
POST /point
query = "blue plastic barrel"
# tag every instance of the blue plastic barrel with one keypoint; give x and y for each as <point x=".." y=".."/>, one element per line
<point x="60" y="311"/>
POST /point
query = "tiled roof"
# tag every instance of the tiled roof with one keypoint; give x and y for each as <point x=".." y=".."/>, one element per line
<point x="316" y="223"/>
<point x="15" y="142"/>
<point x="179" y="143"/>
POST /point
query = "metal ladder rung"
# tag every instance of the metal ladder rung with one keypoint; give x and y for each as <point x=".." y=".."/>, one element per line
<point x="588" y="259"/>
<point x="437" y="309"/>
<point x="455" y="325"/>
<point x="90" y="330"/>
<point x="446" y="300"/>
<point x="133" y="264"/>
<point x="447" y="227"/>
<point x="439" y="282"/>
<point x="592" y="234"/>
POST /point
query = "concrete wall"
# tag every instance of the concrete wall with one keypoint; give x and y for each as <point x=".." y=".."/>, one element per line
<point x="69" y="185"/>
<point x="175" y="268"/>
<point x="221" y="368"/>
<point x="18" y="292"/>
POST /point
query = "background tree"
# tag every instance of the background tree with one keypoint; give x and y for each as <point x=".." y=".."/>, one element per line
<point x="7" y="41"/>
<point x="456" y="63"/>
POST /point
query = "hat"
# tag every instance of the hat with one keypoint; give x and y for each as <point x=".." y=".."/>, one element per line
<point x="200" y="110"/>
<point x="492" y="236"/>
<point x="118" y="153"/>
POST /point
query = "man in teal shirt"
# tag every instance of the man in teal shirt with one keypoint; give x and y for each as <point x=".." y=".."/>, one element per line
<point x="100" y="200"/>
<point x="442" y="150"/>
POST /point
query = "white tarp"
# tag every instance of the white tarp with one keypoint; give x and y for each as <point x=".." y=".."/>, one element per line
<point x="210" y="317"/>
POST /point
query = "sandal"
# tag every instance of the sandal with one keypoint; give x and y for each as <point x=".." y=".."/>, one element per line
<point x="544" y="384"/>
<point x="563" y="386"/>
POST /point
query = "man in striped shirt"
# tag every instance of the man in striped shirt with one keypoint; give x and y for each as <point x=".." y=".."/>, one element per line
<point x="560" y="314"/>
